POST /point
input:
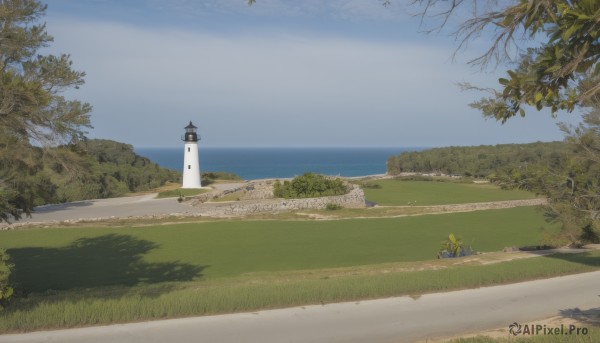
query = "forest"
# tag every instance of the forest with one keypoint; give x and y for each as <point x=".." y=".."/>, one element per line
<point x="90" y="169"/>
<point x="484" y="161"/>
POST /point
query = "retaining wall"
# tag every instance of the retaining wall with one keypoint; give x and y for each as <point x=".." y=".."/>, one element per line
<point x="353" y="199"/>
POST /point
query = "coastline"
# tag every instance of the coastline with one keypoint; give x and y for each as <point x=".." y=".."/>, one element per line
<point x="272" y="163"/>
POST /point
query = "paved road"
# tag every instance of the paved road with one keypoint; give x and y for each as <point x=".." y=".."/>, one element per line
<point x="400" y="319"/>
<point x="135" y="206"/>
<point x="142" y="205"/>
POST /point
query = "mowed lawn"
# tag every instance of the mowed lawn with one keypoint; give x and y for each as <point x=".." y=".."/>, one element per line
<point x="68" y="258"/>
<point x="421" y="193"/>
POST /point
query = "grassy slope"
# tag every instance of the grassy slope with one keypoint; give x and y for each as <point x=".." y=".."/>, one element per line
<point x="397" y="192"/>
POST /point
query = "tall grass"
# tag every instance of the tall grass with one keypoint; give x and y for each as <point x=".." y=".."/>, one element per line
<point x="82" y="307"/>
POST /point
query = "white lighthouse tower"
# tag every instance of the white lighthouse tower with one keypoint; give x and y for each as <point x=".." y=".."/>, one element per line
<point x="191" y="164"/>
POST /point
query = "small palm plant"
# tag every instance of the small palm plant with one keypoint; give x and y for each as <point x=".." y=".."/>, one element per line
<point x="453" y="247"/>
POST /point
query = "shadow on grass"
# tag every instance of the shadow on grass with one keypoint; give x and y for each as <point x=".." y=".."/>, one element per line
<point x="87" y="263"/>
<point x="590" y="317"/>
<point x="585" y="258"/>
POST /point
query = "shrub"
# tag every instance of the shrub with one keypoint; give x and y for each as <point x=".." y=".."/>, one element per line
<point x="6" y="291"/>
<point x="588" y="235"/>
<point x="221" y="176"/>
<point x="309" y="185"/>
<point x="370" y="185"/>
<point x="210" y="177"/>
<point x="414" y="178"/>
<point x="453" y="247"/>
<point x="333" y="207"/>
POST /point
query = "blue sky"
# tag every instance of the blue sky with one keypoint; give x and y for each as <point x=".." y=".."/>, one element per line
<point x="278" y="73"/>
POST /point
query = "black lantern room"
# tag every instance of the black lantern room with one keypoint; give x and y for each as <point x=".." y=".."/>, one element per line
<point x="190" y="133"/>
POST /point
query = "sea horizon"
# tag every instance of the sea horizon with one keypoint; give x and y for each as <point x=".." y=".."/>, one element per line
<point x="290" y="147"/>
<point x="281" y="162"/>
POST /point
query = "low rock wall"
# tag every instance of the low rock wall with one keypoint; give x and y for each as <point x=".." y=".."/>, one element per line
<point x="488" y="205"/>
<point x="353" y="199"/>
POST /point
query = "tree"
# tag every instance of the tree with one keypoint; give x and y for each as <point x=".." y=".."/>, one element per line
<point x="6" y="291"/>
<point x="33" y="113"/>
<point x="558" y="70"/>
<point x="574" y="190"/>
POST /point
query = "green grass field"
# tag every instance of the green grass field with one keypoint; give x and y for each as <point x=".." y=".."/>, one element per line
<point x="86" y="257"/>
<point x="421" y="193"/>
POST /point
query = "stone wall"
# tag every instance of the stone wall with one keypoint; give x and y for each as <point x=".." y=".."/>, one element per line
<point x="353" y="199"/>
<point x="494" y="205"/>
<point x="248" y="191"/>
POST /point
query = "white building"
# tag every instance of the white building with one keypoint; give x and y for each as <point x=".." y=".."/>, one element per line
<point x="191" y="163"/>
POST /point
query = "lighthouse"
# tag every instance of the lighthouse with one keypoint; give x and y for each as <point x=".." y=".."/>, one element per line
<point x="191" y="164"/>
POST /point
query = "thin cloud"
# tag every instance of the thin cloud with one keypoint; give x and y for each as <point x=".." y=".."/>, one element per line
<point x="351" y="10"/>
<point x="257" y="88"/>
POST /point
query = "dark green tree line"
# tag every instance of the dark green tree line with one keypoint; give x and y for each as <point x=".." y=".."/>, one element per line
<point x="484" y="161"/>
<point x="104" y="169"/>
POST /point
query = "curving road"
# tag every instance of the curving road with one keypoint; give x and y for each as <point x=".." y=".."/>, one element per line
<point x="124" y="207"/>
<point x="142" y="205"/>
<point x="401" y="319"/>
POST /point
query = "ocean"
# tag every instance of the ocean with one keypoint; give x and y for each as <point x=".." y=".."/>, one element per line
<point x="260" y="163"/>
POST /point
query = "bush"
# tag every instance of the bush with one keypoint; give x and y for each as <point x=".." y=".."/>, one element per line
<point x="414" y="178"/>
<point x="370" y="185"/>
<point x="453" y="247"/>
<point x="333" y="207"/>
<point x="588" y="235"/>
<point x="220" y="176"/>
<point x="6" y="291"/>
<point x="309" y="185"/>
<point x="209" y="178"/>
